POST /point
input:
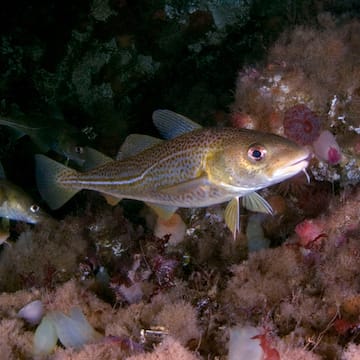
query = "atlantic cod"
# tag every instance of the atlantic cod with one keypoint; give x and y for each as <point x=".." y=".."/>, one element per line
<point x="15" y="204"/>
<point x="192" y="167"/>
<point x="59" y="137"/>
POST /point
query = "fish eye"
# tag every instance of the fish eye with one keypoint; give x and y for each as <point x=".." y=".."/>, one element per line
<point x="34" y="208"/>
<point x="79" y="149"/>
<point x="256" y="152"/>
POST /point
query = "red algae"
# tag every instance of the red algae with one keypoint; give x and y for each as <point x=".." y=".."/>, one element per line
<point x="242" y="120"/>
<point x="309" y="231"/>
<point x="301" y="124"/>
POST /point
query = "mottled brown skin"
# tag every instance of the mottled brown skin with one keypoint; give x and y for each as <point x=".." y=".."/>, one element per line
<point x="219" y="157"/>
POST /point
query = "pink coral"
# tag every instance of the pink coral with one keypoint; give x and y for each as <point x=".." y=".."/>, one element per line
<point x="301" y="124"/>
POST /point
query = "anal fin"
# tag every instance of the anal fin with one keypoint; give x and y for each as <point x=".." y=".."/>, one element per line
<point x="165" y="212"/>
<point x="111" y="200"/>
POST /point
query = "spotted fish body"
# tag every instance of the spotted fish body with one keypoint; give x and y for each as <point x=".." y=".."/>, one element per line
<point x="198" y="168"/>
<point x="150" y="175"/>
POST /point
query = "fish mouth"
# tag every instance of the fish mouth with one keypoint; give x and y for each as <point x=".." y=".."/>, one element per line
<point x="293" y="168"/>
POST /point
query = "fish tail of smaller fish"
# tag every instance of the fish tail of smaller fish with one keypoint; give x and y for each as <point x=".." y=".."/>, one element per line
<point x="51" y="190"/>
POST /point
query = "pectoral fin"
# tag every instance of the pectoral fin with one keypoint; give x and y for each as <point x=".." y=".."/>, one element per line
<point x="187" y="187"/>
<point x="255" y="202"/>
<point x="171" y="124"/>
<point x="232" y="216"/>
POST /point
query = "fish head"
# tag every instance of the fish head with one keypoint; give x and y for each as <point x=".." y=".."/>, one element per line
<point x="252" y="160"/>
<point x="17" y="205"/>
<point x="33" y="213"/>
<point x="70" y="149"/>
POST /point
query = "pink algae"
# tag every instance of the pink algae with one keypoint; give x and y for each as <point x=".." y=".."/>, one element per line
<point x="334" y="156"/>
<point x="309" y="231"/>
<point x="301" y="124"/>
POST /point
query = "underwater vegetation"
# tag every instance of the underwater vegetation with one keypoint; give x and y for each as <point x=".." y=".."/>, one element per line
<point x="302" y="295"/>
<point x="103" y="279"/>
<point x="307" y="91"/>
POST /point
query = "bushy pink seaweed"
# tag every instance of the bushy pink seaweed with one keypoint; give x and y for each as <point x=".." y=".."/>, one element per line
<point x="301" y="124"/>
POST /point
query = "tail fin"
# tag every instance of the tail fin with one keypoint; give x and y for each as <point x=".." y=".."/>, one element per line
<point x="47" y="179"/>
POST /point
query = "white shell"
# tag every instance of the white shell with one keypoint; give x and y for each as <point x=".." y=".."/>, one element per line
<point x="32" y="312"/>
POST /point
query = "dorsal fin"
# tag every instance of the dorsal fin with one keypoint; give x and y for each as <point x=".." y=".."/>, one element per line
<point x="171" y="124"/>
<point x="94" y="158"/>
<point x="136" y="143"/>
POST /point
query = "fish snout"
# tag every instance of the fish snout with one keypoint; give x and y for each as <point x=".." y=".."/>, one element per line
<point x="291" y="168"/>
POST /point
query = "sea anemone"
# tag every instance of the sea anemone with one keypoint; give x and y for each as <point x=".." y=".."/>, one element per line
<point x="301" y="124"/>
<point x="326" y="148"/>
